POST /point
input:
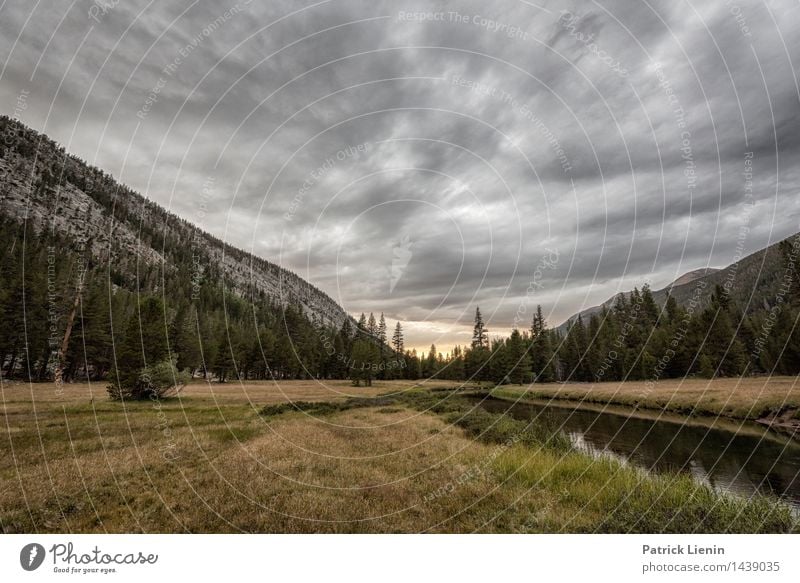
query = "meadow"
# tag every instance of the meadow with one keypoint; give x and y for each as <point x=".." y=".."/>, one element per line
<point x="766" y="399"/>
<point x="231" y="458"/>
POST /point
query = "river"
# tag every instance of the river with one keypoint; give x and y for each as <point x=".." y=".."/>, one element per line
<point x="729" y="455"/>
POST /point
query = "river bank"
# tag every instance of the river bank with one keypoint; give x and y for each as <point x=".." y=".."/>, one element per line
<point x="770" y="401"/>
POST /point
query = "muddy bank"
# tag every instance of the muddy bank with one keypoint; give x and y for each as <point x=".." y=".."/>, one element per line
<point x="787" y="420"/>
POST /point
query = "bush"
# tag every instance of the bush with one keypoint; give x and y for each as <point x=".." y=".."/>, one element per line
<point x="160" y="380"/>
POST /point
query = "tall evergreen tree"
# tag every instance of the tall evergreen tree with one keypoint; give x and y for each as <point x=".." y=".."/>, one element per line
<point x="184" y="339"/>
<point x="361" y="327"/>
<point x="538" y="323"/>
<point x="397" y="339"/>
<point x="90" y="345"/>
<point x="480" y="336"/>
<point x="476" y="364"/>
<point x="430" y="367"/>
<point x="382" y="331"/>
<point x="724" y="350"/>
<point x="518" y="358"/>
<point x="541" y="349"/>
<point x="650" y="310"/>
<point x="455" y="366"/>
<point x="363" y="362"/>
<point x="144" y="344"/>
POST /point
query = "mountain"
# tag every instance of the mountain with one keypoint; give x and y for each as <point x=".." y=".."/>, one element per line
<point x="48" y="188"/>
<point x="662" y="294"/>
<point x="752" y="282"/>
<point x="693" y="275"/>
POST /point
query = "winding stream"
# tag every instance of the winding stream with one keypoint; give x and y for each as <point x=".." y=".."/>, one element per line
<point x="732" y="456"/>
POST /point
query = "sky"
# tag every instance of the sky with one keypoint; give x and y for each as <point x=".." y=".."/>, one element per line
<point x="422" y="159"/>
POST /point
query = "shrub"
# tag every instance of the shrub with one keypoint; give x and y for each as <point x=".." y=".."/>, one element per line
<point x="162" y="379"/>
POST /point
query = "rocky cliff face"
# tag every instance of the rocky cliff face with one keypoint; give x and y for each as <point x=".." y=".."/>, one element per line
<point x="43" y="185"/>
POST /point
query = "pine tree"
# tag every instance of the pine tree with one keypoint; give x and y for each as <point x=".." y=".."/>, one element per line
<point x="649" y="309"/>
<point x="363" y="362"/>
<point x="184" y="339"/>
<point x="90" y="344"/>
<point x="283" y="357"/>
<point x="12" y="332"/>
<point x="541" y="349"/>
<point x="397" y="339"/>
<point x="336" y="365"/>
<point x="361" y="327"/>
<point x="430" y="367"/>
<point x="573" y="350"/>
<point x="480" y="338"/>
<point x="538" y="323"/>
<point x="476" y="361"/>
<point x="671" y="308"/>
<point x="518" y="358"/>
<point x="382" y="331"/>
<point x="706" y="368"/>
<point x="144" y="344"/>
<point x="790" y="262"/>
<point x="724" y="350"/>
<point x="455" y="368"/>
<point x="224" y="364"/>
<point x="620" y="308"/>
<point x="414" y="367"/>
<point x="209" y="347"/>
<point x="346" y="331"/>
<point x="263" y="351"/>
<point x="498" y="364"/>
<point x="595" y="349"/>
<point x="548" y="370"/>
<point x="583" y="371"/>
<point x="346" y="338"/>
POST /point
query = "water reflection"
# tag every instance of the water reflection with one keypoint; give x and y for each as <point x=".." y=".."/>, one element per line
<point x="730" y="456"/>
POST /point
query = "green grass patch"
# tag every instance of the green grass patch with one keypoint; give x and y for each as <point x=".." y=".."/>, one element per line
<point x="389" y="410"/>
<point x="320" y="408"/>
<point x="233" y="434"/>
<point x="602" y="495"/>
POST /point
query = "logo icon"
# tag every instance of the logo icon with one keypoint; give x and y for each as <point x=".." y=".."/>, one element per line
<point x="31" y="556"/>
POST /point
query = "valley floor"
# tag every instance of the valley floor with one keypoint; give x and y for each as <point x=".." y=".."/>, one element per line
<point x="210" y="461"/>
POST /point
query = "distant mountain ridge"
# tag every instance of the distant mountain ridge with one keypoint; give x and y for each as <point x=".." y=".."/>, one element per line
<point x="42" y="184"/>
<point x="752" y="284"/>
<point x="693" y="275"/>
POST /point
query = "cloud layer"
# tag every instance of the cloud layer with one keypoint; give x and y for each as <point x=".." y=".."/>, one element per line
<point x="424" y="158"/>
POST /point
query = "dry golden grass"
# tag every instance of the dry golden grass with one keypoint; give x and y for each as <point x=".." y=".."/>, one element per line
<point x="198" y="392"/>
<point x="209" y="462"/>
<point x="745" y="398"/>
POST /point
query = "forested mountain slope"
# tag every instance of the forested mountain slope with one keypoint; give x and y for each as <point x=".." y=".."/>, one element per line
<point x="751" y="283"/>
<point x="97" y="281"/>
<point x="51" y="189"/>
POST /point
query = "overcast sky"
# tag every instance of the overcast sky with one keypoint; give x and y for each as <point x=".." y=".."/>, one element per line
<point x="424" y="158"/>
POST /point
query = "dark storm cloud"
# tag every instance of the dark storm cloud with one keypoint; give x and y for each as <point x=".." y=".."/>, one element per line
<point x="419" y="158"/>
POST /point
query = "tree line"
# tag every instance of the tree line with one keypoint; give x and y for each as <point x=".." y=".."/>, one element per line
<point x="637" y="339"/>
<point x="66" y="315"/>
